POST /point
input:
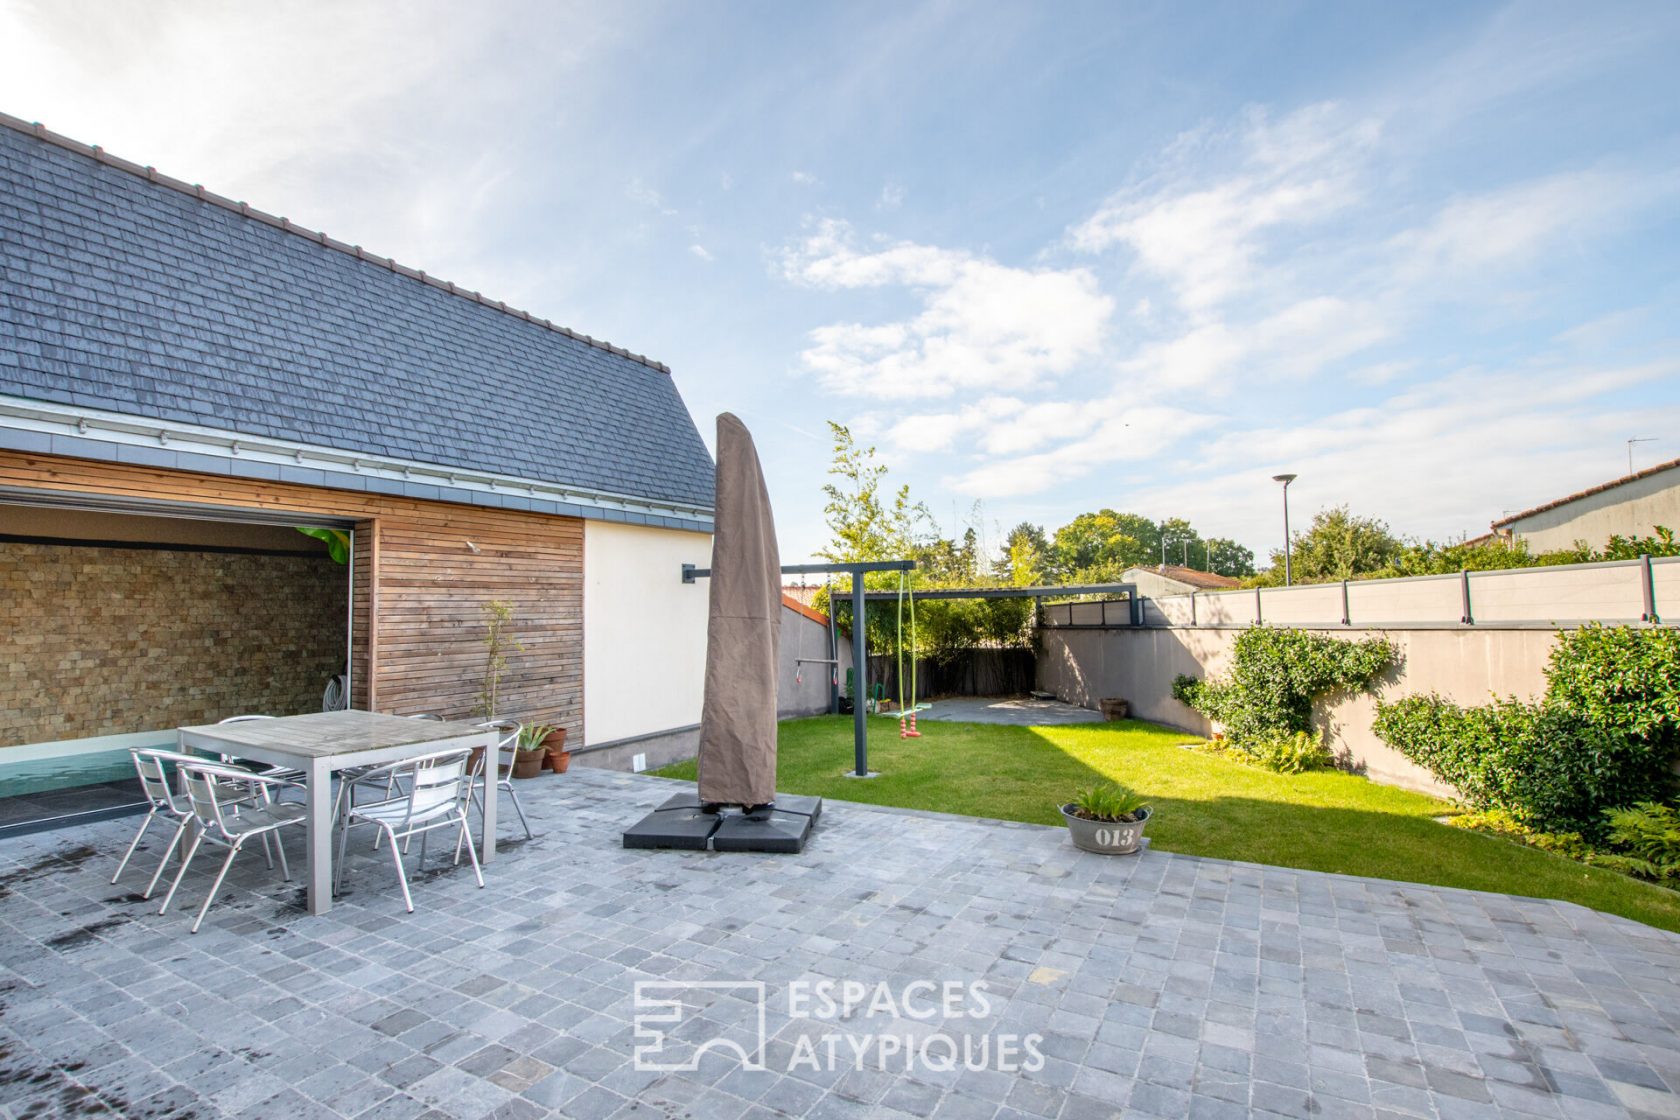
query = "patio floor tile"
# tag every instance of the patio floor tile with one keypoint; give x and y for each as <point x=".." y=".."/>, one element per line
<point x="1159" y="985"/>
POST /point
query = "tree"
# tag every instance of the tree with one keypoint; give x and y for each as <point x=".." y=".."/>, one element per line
<point x="1179" y="543"/>
<point x="864" y="528"/>
<point x="1338" y="545"/>
<point x="1098" y="547"/>
<point x="1026" y="556"/>
<point x="1227" y="557"/>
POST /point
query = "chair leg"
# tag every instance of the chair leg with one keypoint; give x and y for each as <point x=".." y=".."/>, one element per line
<point x="217" y="885"/>
<point x="174" y="842"/>
<point x="280" y="847"/>
<point x="471" y="851"/>
<point x="268" y="852"/>
<point x="517" y="809"/>
<point x="186" y="862"/>
<point x="402" y="876"/>
<point x="133" y="844"/>
<point x="339" y="868"/>
<point x="421" y="866"/>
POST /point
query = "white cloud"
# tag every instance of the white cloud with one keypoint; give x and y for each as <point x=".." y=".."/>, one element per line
<point x="1440" y="459"/>
<point x="1202" y="233"/>
<point x="701" y="251"/>
<point x="643" y="195"/>
<point x="982" y="325"/>
<point x="1513" y="224"/>
<point x="892" y="197"/>
<point x="804" y="179"/>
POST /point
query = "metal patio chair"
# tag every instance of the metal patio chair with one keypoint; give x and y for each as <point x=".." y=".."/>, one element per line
<point x="224" y="821"/>
<point x="507" y="739"/>
<point x="166" y="800"/>
<point x="266" y="770"/>
<point x="433" y="792"/>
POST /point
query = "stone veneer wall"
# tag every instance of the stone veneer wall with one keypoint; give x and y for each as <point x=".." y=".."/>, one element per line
<point x="101" y="641"/>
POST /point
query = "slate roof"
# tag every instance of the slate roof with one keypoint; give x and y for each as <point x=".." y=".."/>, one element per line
<point x="1507" y="522"/>
<point x="124" y="291"/>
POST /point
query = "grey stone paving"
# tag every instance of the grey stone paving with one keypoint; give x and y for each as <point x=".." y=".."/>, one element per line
<point x="1022" y="711"/>
<point x="1161" y="985"/>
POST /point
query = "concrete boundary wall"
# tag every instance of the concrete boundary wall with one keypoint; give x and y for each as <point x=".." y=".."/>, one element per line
<point x="1499" y="647"/>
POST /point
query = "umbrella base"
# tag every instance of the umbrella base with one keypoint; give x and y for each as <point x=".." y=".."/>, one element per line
<point x="683" y="823"/>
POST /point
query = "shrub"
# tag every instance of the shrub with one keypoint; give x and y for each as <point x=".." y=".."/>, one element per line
<point x="1649" y="833"/>
<point x="1109" y="801"/>
<point x="1619" y="677"/>
<point x="1293" y="754"/>
<point x="1603" y="737"/>
<point x="1276" y="675"/>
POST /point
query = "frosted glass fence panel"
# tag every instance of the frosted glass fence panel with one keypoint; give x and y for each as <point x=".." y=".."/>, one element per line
<point x="1603" y="591"/>
<point x="1226" y="608"/>
<point x="1429" y="599"/>
<point x="1665" y="576"/>
<point x="1173" y="610"/>
<point x="1319" y="604"/>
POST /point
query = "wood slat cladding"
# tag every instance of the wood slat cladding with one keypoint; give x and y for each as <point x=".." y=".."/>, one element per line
<point x="421" y="573"/>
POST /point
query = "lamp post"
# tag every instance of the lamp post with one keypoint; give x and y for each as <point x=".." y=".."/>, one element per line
<point x="1286" y="479"/>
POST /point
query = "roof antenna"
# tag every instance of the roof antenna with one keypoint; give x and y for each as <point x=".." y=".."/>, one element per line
<point x="1631" y="442"/>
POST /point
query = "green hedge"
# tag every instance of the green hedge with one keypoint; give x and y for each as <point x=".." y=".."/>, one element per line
<point x="1603" y="737"/>
<point x="1276" y="674"/>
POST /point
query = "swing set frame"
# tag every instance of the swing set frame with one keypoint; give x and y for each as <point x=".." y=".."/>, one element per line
<point x="860" y="638"/>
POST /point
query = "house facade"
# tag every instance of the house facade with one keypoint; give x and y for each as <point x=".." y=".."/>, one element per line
<point x="1172" y="579"/>
<point x="186" y="381"/>
<point x="1631" y="506"/>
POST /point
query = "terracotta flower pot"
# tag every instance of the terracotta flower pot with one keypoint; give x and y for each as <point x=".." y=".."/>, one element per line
<point x="554" y="749"/>
<point x="1113" y="707"/>
<point x="528" y="764"/>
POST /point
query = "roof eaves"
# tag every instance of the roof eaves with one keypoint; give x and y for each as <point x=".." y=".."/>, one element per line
<point x="1587" y="493"/>
<point x="196" y="190"/>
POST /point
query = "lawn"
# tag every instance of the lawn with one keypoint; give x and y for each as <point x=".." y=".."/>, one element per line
<point x="1204" y="805"/>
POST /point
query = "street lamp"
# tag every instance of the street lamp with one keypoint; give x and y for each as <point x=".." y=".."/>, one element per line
<point x="1286" y="479"/>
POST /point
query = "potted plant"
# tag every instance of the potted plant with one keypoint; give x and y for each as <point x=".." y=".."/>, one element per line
<point x="557" y="757"/>
<point x="529" y="752"/>
<point x="1113" y="707"/>
<point x="1107" y="818"/>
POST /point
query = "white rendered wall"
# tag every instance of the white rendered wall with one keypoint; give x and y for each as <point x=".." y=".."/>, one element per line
<point x="644" y="630"/>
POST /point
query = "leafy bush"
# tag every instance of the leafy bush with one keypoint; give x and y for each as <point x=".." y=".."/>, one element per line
<point x="1620" y="678"/>
<point x="1109" y="801"/>
<point x="1603" y="737"/>
<point x="1497" y="822"/>
<point x="1650" y="833"/>
<point x="1276" y="674"/>
<point x="1293" y="754"/>
<point x="1542" y="763"/>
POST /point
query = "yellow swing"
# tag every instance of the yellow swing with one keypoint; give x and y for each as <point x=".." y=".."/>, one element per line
<point x="907" y="712"/>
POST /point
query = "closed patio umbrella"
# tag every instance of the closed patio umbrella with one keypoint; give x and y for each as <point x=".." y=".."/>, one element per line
<point x="743" y="630"/>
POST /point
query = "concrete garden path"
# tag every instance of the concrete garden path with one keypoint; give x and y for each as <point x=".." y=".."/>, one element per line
<point x="1161" y="985"/>
<point x="1017" y="710"/>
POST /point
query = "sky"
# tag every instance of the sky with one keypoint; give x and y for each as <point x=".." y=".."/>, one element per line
<point x="1047" y="258"/>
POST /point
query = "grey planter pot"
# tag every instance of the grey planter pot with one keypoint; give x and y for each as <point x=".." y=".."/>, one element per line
<point x="1109" y="838"/>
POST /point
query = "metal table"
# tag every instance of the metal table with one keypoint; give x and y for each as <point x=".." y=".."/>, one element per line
<point x="324" y="743"/>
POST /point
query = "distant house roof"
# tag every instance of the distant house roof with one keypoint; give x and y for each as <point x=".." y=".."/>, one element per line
<point x="1194" y="577"/>
<point x="1505" y="523"/>
<point x="129" y="294"/>
<point x="810" y="612"/>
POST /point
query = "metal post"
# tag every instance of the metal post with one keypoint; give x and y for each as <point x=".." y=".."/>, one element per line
<point x="1648" y="585"/>
<point x="1257" y="615"/>
<point x="1467" y="618"/>
<point x="1347" y="619"/>
<point x="1286" y="479"/>
<point x="860" y="678"/>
